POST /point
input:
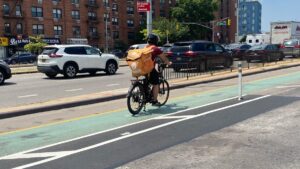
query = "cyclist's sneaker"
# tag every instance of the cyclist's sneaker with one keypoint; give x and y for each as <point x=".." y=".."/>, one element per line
<point x="155" y="103"/>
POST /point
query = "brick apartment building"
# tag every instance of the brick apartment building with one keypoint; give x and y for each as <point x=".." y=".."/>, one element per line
<point x="226" y="33"/>
<point x="86" y="21"/>
<point x="74" y="21"/>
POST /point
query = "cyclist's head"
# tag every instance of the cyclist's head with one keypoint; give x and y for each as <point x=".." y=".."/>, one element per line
<point x="153" y="39"/>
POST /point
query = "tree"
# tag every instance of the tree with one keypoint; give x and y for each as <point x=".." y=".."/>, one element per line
<point x="36" y="45"/>
<point x="167" y="30"/>
<point x="196" y="11"/>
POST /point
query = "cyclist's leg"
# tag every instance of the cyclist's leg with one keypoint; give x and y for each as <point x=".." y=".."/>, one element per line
<point x="154" y="80"/>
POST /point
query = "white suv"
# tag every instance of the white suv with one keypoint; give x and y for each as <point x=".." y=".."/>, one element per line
<point x="72" y="59"/>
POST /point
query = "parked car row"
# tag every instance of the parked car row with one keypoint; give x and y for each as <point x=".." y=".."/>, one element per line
<point x="21" y="58"/>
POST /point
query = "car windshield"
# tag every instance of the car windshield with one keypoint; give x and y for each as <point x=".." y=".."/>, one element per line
<point x="181" y="47"/>
<point x="258" y="47"/>
<point x="48" y="51"/>
<point x="290" y="43"/>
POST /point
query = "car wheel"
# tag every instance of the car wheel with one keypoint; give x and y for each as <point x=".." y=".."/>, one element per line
<point x="70" y="70"/>
<point x="111" y="68"/>
<point x="51" y="75"/>
<point x="92" y="73"/>
<point x="2" y="79"/>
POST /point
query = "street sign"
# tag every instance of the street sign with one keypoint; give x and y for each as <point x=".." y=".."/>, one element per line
<point x="143" y="6"/>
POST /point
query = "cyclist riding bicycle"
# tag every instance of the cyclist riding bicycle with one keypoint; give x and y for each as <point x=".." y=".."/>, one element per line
<point x="152" y="41"/>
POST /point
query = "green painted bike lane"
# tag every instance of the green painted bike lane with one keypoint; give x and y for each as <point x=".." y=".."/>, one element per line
<point x="18" y="141"/>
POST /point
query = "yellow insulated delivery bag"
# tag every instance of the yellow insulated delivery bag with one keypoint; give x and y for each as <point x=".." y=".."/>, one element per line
<point x="140" y="61"/>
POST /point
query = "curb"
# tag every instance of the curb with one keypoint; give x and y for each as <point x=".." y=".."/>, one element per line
<point x="63" y="105"/>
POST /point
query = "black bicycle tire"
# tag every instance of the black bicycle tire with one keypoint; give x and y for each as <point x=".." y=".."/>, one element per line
<point x="134" y="112"/>
<point x="167" y="90"/>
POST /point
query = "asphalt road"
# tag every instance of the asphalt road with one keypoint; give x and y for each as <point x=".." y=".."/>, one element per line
<point x="36" y="87"/>
<point x="201" y="127"/>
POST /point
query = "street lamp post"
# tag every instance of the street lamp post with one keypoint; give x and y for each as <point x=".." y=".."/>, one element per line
<point x="237" y="21"/>
<point x="149" y="18"/>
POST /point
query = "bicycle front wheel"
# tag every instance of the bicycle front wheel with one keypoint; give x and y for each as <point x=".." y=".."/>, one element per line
<point x="164" y="91"/>
<point x="136" y="99"/>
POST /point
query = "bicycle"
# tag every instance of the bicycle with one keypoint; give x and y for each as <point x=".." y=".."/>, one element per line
<point x="140" y="92"/>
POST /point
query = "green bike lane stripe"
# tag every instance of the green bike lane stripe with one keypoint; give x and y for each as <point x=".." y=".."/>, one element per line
<point x="37" y="137"/>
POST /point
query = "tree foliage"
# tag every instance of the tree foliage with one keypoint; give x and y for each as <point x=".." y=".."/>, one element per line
<point x="36" y="45"/>
<point x="167" y="30"/>
<point x="196" y="11"/>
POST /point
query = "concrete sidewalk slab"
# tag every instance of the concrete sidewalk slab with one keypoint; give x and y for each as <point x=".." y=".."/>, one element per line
<point x="121" y="93"/>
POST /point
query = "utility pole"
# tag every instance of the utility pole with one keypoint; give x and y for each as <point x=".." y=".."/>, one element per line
<point x="149" y="18"/>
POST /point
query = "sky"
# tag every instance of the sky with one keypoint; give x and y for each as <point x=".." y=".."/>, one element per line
<point x="279" y="10"/>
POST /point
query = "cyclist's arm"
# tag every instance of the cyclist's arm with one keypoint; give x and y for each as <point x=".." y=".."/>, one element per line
<point x="164" y="58"/>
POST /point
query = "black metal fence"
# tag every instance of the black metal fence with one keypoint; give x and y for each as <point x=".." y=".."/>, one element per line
<point x="188" y="70"/>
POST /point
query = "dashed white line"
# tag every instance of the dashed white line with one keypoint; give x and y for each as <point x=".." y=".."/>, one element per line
<point x="73" y="90"/>
<point x="291" y="86"/>
<point x="112" y="85"/>
<point x="26" y="96"/>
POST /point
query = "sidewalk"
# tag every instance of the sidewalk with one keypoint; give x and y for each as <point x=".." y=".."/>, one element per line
<point x="121" y="93"/>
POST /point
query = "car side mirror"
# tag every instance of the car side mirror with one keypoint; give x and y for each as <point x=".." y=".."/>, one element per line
<point x="100" y="53"/>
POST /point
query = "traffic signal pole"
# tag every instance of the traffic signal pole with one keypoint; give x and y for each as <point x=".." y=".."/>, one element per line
<point x="149" y="18"/>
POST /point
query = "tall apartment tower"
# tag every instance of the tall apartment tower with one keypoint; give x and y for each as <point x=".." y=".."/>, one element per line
<point x="100" y="23"/>
<point x="249" y="17"/>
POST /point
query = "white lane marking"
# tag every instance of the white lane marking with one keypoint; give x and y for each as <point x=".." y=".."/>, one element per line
<point x="139" y="132"/>
<point x="26" y="96"/>
<point x="112" y="85"/>
<point x="73" y="90"/>
<point x="126" y="133"/>
<point x="173" y="117"/>
<point x="112" y="129"/>
<point x="39" y="155"/>
<point x="291" y="86"/>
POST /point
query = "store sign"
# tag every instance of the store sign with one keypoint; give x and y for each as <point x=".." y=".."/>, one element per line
<point x="143" y="6"/>
<point x="3" y="41"/>
<point x="77" y="41"/>
<point x="51" y="41"/>
<point x="18" y="42"/>
<point x="281" y="27"/>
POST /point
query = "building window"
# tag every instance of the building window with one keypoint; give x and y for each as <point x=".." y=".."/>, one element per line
<point x="131" y="35"/>
<point x="114" y="7"/>
<point x="7" y="28"/>
<point x="18" y="10"/>
<point x="76" y="31"/>
<point x="106" y="17"/>
<point x="57" y="13"/>
<point x="38" y="29"/>
<point x="19" y="28"/>
<point x="75" y="15"/>
<point x="116" y="35"/>
<point x="6" y="9"/>
<point x="115" y="21"/>
<point x="130" y="23"/>
<point x="93" y="32"/>
<point x="105" y="3"/>
<point x="37" y="12"/>
<point x="92" y="15"/>
<point x="130" y="10"/>
<point x="75" y="1"/>
<point x="58" y="30"/>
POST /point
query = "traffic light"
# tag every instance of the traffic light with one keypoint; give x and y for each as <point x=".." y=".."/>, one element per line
<point x="228" y="22"/>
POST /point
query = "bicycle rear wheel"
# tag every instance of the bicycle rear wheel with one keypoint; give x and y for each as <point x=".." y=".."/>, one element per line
<point x="136" y="99"/>
<point x="164" y="91"/>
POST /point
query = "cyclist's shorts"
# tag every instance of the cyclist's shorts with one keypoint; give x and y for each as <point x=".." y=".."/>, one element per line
<point x="154" y="80"/>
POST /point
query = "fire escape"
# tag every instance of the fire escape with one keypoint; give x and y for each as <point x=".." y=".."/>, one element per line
<point x="13" y="17"/>
<point x="92" y="19"/>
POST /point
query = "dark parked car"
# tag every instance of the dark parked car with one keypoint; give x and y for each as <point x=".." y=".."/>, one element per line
<point x="5" y="72"/>
<point x="291" y="47"/>
<point x="264" y="53"/>
<point x="119" y="53"/>
<point x="237" y="50"/>
<point x="21" y="58"/>
<point x="198" y="54"/>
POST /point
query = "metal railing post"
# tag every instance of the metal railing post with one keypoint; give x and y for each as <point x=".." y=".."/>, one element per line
<point x="240" y="80"/>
